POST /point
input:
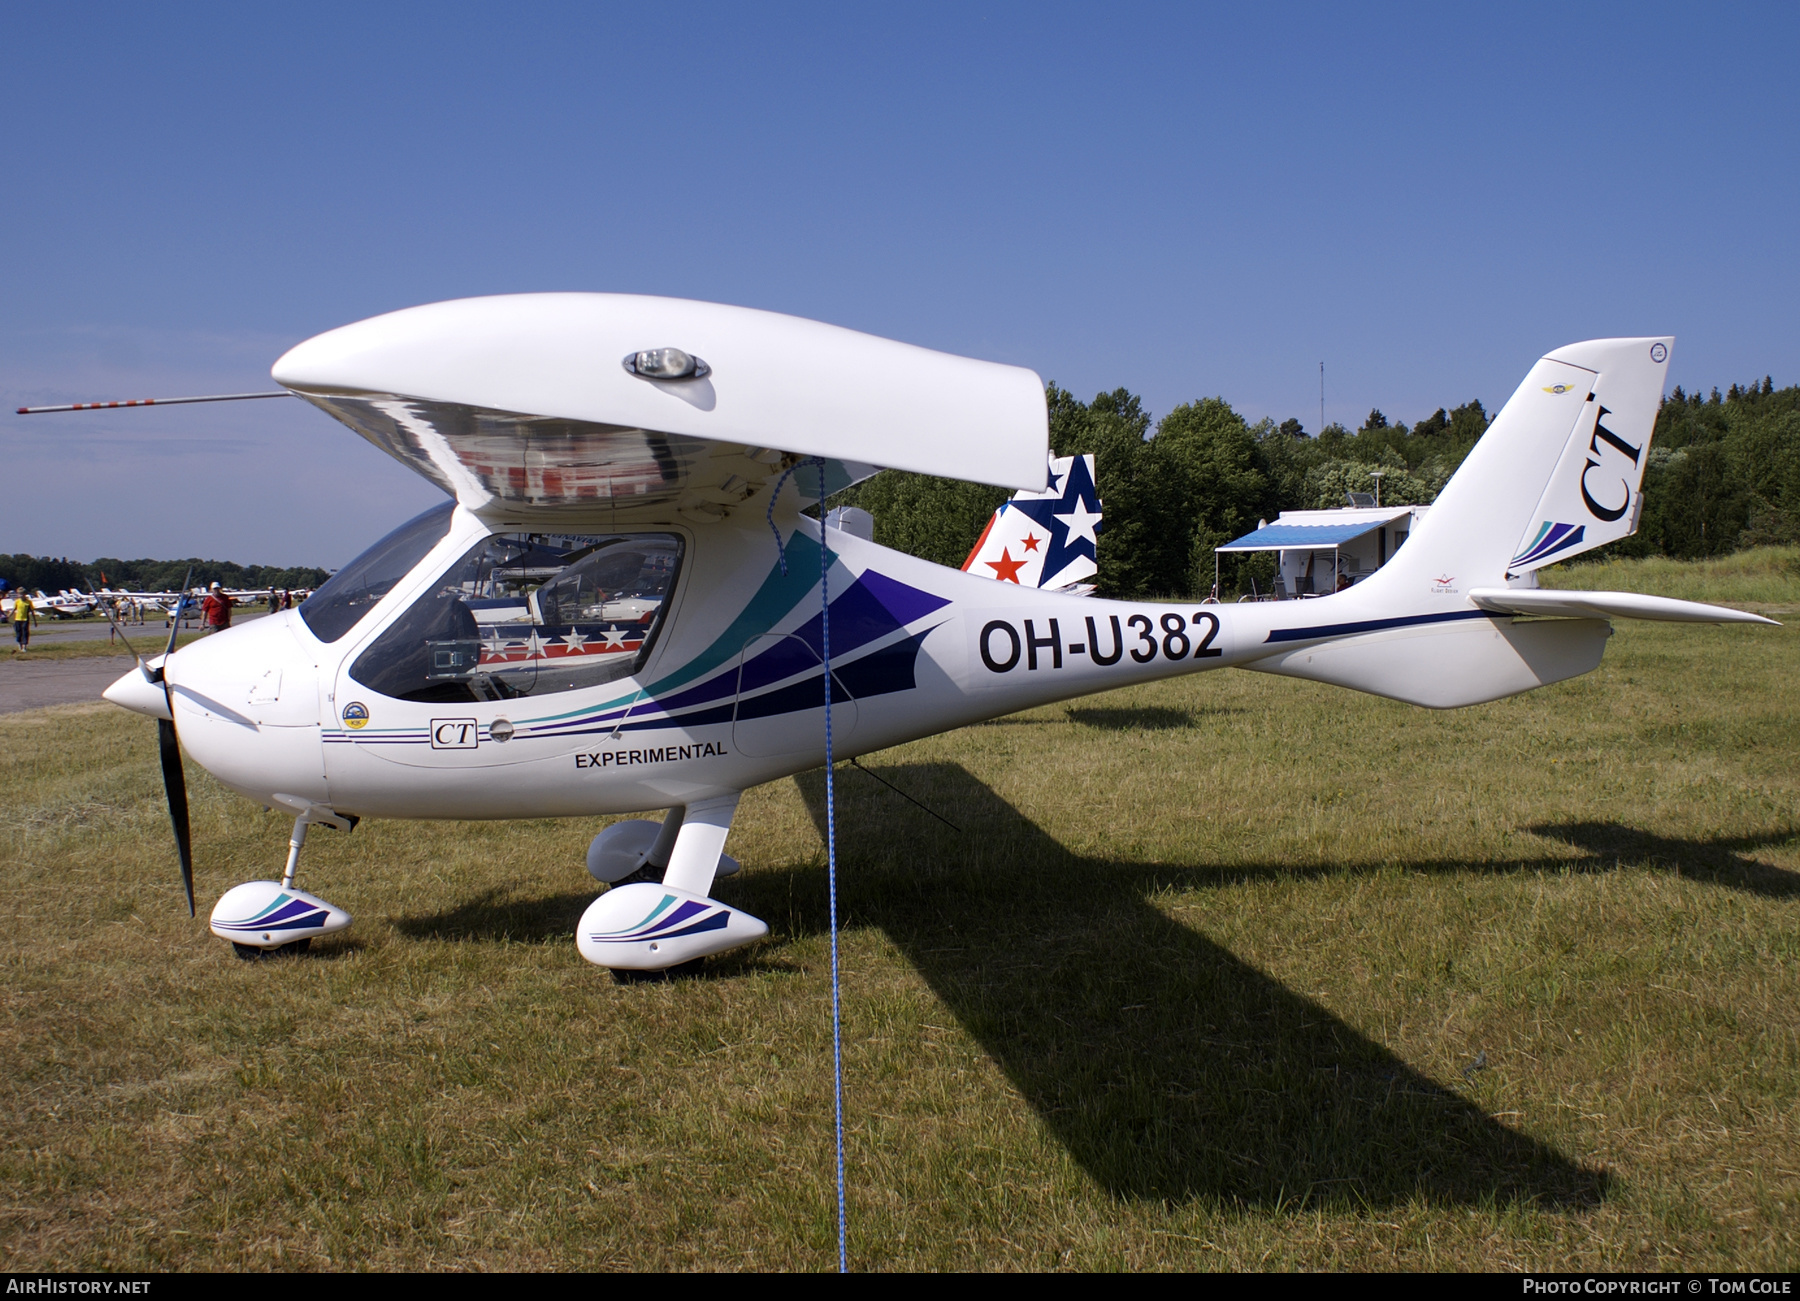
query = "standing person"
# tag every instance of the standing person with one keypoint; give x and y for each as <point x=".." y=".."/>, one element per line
<point x="24" y="614"/>
<point x="216" y="609"/>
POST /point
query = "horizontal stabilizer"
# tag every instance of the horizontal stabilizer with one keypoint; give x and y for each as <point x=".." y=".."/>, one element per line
<point x="1606" y="605"/>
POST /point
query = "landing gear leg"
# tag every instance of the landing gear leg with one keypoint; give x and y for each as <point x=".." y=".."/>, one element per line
<point x="296" y="843"/>
<point x="641" y="850"/>
<point x="266" y="917"/>
<point x="699" y="842"/>
<point x="657" y="860"/>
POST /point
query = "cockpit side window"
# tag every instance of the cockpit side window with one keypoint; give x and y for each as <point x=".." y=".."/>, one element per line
<point x="344" y="598"/>
<point x="528" y="614"/>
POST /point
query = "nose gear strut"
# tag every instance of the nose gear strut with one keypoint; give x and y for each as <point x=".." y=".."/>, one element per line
<point x="268" y="917"/>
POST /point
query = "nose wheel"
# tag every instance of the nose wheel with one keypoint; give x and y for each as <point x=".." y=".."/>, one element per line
<point x="250" y="953"/>
<point x="264" y="918"/>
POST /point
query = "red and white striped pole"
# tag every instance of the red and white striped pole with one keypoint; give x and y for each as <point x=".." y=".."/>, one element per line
<point x="151" y="402"/>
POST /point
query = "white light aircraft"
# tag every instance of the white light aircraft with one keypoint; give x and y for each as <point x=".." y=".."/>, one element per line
<point x="64" y="605"/>
<point x="621" y="607"/>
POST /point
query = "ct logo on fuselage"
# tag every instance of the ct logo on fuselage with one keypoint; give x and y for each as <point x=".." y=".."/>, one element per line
<point x="356" y="715"/>
<point x="455" y="734"/>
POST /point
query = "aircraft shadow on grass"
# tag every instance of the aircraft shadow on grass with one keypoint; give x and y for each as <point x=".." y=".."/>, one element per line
<point x="1720" y="860"/>
<point x="499" y="914"/>
<point x="1167" y="1066"/>
<point x="1145" y="718"/>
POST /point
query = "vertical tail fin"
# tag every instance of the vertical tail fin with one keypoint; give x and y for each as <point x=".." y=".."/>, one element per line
<point x="1559" y="472"/>
<point x="1044" y="539"/>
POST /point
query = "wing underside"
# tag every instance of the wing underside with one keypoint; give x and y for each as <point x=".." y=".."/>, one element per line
<point x="480" y="457"/>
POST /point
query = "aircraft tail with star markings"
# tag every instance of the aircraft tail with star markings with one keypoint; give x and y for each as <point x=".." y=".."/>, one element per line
<point x="1045" y="539"/>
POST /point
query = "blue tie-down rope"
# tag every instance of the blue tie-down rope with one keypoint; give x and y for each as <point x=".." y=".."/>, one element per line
<point x="837" y="1026"/>
<point x="781" y="547"/>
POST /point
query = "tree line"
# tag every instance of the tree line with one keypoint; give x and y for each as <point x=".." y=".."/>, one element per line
<point x="1724" y="473"/>
<point x="53" y="574"/>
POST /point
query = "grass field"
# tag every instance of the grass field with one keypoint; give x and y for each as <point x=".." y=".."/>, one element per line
<point x="1233" y="971"/>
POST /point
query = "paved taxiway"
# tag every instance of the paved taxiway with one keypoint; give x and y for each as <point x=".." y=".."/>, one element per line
<point x="26" y="683"/>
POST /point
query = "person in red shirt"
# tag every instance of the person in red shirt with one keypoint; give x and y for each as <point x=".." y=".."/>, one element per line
<point x="216" y="610"/>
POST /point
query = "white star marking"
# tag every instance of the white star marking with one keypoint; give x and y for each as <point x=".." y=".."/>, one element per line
<point x="534" y="646"/>
<point x="614" y="638"/>
<point x="1080" y="524"/>
<point x="574" y="641"/>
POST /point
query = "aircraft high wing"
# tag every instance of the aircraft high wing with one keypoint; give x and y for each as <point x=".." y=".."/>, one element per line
<point x="544" y="401"/>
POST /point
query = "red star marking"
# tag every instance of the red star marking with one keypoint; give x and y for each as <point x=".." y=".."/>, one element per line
<point x="1006" y="569"/>
<point x="1031" y="542"/>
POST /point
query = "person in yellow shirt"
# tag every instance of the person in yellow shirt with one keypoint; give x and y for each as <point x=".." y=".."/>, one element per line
<point x="23" y="616"/>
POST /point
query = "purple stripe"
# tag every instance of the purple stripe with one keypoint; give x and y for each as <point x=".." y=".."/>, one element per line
<point x="272" y="914"/>
<point x="681" y="914"/>
<point x="316" y="917"/>
<point x="717" y="921"/>
<point x="1559" y="537"/>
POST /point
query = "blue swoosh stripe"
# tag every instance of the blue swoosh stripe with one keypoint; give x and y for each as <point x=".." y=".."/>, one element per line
<point x="1375" y="625"/>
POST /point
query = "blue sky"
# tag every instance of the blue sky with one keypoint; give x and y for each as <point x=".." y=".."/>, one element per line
<point x="1182" y="199"/>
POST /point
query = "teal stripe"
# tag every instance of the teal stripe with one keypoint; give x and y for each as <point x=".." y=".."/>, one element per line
<point x="778" y="595"/>
<point x="647" y="918"/>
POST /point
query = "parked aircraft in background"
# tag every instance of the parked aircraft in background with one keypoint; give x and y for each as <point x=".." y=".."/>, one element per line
<point x="64" y="605"/>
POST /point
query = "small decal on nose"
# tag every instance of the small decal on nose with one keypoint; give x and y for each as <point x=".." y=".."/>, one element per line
<point x="356" y="715"/>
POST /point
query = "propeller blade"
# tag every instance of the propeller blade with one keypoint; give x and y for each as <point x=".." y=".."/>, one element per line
<point x="106" y="607"/>
<point x="174" y="630"/>
<point x="175" y="786"/>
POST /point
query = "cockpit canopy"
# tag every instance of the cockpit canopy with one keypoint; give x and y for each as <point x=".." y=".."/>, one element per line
<point x="528" y="614"/>
<point x="343" y="599"/>
<point x="519" y="614"/>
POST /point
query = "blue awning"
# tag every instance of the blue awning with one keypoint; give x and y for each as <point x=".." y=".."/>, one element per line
<point x="1301" y="537"/>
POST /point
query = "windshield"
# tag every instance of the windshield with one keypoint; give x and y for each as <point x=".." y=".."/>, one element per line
<point x="527" y="613"/>
<point x="355" y="589"/>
